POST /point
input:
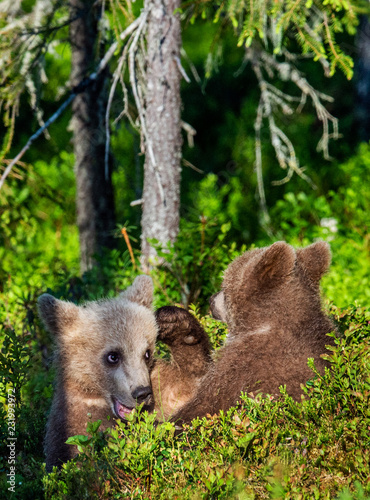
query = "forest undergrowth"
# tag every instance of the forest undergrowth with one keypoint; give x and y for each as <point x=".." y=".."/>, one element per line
<point x="266" y="448"/>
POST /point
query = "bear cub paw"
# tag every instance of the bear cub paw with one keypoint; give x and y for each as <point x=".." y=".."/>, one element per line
<point x="177" y="325"/>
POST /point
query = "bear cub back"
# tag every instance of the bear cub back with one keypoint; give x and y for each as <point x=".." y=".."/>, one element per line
<point x="270" y="300"/>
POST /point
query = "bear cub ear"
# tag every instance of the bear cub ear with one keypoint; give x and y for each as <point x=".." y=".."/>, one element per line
<point x="275" y="264"/>
<point x="315" y="259"/>
<point x="141" y="291"/>
<point x="218" y="307"/>
<point x="56" y="314"/>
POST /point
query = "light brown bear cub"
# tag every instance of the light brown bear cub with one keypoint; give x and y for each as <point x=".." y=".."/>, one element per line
<point x="104" y="357"/>
<point x="175" y="382"/>
<point x="270" y="300"/>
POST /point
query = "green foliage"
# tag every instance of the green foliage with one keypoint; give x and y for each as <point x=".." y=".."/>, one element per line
<point x="215" y="329"/>
<point x="194" y="263"/>
<point x="37" y="220"/>
<point x="14" y="360"/>
<point x="222" y="204"/>
<point x="314" y="23"/>
<point x="20" y="371"/>
<point x="343" y="219"/>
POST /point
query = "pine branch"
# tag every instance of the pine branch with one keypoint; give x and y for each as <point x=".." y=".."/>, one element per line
<point x="336" y="56"/>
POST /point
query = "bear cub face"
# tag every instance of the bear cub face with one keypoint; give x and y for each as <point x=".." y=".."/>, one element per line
<point x="105" y="348"/>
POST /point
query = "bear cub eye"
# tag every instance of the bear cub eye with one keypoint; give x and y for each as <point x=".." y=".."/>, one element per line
<point x="113" y="358"/>
<point x="147" y="355"/>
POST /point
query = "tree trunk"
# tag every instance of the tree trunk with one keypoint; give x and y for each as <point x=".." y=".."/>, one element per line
<point x="362" y="80"/>
<point x="94" y="198"/>
<point x="161" y="194"/>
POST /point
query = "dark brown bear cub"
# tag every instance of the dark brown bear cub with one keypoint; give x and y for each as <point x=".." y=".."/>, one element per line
<point x="270" y="300"/>
<point x="175" y="382"/>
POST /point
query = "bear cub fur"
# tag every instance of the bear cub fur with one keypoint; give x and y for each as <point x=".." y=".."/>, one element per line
<point x="104" y="357"/>
<point x="175" y="382"/>
<point x="270" y="300"/>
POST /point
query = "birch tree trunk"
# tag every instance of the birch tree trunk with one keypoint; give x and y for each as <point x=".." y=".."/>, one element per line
<point x="162" y="169"/>
<point x="94" y="198"/>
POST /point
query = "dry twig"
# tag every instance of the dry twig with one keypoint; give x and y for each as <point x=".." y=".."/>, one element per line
<point x="273" y="99"/>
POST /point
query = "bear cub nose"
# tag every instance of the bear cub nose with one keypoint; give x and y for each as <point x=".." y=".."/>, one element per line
<point x="141" y="393"/>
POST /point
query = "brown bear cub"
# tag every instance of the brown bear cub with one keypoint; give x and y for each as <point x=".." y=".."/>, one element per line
<point x="270" y="300"/>
<point x="104" y="357"/>
<point x="175" y="382"/>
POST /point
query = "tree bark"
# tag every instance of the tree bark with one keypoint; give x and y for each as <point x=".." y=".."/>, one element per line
<point x="362" y="79"/>
<point x="162" y="168"/>
<point x="94" y="197"/>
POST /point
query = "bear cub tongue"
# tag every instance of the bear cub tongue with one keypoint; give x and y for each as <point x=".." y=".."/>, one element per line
<point x="121" y="410"/>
